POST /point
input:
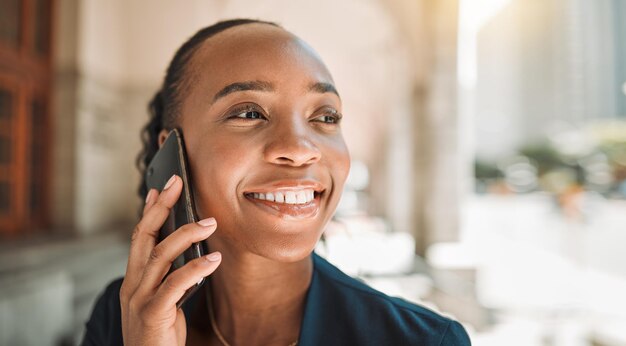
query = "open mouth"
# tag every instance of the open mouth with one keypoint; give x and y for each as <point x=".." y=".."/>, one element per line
<point x="295" y="204"/>
<point x="290" y="197"/>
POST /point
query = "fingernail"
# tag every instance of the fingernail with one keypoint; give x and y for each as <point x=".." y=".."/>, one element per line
<point x="207" y="222"/>
<point x="214" y="257"/>
<point x="170" y="182"/>
<point x="149" y="195"/>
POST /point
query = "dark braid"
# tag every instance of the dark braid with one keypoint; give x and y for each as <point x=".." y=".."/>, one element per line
<point x="165" y="105"/>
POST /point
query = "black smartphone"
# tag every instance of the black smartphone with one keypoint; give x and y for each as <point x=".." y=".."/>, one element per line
<point x="169" y="160"/>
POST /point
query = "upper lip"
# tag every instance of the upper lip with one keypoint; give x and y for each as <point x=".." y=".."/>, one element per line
<point x="287" y="185"/>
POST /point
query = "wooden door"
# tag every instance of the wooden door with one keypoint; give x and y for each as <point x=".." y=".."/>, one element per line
<point x="25" y="70"/>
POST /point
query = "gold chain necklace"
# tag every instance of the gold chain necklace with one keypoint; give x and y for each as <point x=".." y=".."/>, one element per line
<point x="216" y="330"/>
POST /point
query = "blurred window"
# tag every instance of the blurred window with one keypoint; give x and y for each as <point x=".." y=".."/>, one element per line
<point x="10" y="15"/>
<point x="25" y="32"/>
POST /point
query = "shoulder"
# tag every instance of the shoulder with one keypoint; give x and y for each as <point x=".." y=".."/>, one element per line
<point x="104" y="326"/>
<point x="371" y="315"/>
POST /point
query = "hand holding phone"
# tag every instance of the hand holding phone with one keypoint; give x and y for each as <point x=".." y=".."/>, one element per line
<point x="152" y="292"/>
<point x="171" y="160"/>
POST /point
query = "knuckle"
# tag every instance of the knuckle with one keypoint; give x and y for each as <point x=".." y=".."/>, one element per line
<point x="169" y="284"/>
<point x="201" y="266"/>
<point x="136" y="232"/>
<point x="161" y="203"/>
<point x="156" y="254"/>
<point x="144" y="313"/>
<point x="124" y="294"/>
<point x="199" y="263"/>
<point x="192" y="230"/>
<point x="135" y="305"/>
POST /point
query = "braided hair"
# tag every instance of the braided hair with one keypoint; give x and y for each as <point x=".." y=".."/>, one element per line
<point x="164" y="107"/>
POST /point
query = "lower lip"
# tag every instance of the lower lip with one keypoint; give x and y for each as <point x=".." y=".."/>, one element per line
<point x="289" y="211"/>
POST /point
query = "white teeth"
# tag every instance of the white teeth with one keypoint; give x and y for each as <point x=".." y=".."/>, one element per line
<point x="289" y="197"/>
<point x="301" y="197"/>
<point x="279" y="197"/>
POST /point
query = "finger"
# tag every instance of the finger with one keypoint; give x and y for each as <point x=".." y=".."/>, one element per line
<point x="146" y="231"/>
<point x="157" y="213"/>
<point x="178" y="282"/>
<point x="170" y="248"/>
<point x="127" y="285"/>
<point x="150" y="199"/>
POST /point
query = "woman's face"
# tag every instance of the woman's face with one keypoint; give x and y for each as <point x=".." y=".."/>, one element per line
<point x="260" y="115"/>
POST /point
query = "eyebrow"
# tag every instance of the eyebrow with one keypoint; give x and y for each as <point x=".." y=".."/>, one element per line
<point x="264" y="86"/>
<point x="323" y="88"/>
<point x="254" y="85"/>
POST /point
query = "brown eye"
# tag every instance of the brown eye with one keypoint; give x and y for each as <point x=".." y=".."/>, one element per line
<point x="246" y="113"/>
<point x="249" y="115"/>
<point x="329" y="119"/>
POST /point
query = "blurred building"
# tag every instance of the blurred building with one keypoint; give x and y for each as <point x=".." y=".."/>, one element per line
<point x="544" y="67"/>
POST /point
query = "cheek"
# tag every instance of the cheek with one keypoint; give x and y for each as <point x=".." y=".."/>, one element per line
<point x="217" y="169"/>
<point x="339" y="162"/>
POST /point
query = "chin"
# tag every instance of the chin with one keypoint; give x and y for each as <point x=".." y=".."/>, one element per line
<point x="286" y="250"/>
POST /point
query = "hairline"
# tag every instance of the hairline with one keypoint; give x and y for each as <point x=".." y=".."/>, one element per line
<point x="188" y="78"/>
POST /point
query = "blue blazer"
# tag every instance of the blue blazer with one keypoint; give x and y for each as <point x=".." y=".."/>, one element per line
<point x="339" y="310"/>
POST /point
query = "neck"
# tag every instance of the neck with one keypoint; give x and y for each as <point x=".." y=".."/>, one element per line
<point x="252" y="295"/>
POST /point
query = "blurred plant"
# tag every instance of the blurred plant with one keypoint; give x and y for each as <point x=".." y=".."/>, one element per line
<point x="545" y="157"/>
<point x="591" y="158"/>
<point x="611" y="137"/>
<point x="520" y="173"/>
<point x="484" y="170"/>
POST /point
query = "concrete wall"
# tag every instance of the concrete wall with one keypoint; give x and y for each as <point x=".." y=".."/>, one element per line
<point x="48" y="288"/>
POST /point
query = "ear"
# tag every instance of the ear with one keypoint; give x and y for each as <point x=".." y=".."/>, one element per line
<point x="163" y="136"/>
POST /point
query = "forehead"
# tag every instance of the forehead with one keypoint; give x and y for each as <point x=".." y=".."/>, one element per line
<point x="256" y="52"/>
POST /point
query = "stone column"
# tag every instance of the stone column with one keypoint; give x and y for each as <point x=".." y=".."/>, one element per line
<point x="431" y="26"/>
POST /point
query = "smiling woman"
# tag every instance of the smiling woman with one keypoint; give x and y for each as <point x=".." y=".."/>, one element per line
<point x="261" y="119"/>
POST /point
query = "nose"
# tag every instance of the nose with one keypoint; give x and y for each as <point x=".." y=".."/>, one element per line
<point x="292" y="145"/>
